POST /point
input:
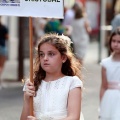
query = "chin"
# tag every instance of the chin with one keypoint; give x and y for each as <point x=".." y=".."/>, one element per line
<point x="48" y="70"/>
<point x="117" y="52"/>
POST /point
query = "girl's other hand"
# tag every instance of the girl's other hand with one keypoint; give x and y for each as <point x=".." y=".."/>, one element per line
<point x="29" y="89"/>
<point x="31" y="118"/>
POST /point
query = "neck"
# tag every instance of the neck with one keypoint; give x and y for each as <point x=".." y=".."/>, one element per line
<point x="116" y="56"/>
<point x="52" y="77"/>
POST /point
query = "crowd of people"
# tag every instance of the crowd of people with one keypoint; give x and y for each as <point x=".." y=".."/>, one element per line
<point x="57" y="66"/>
<point x="56" y="63"/>
<point x="58" y="83"/>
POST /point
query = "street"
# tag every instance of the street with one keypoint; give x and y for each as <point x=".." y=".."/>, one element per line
<point x="11" y="97"/>
<point x="10" y="103"/>
<point x="90" y="101"/>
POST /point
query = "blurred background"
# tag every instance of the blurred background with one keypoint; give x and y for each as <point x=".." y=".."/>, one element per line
<point x="100" y="14"/>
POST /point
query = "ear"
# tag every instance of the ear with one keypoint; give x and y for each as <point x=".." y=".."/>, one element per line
<point x="64" y="58"/>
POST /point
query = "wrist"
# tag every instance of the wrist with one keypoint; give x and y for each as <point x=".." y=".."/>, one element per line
<point x="26" y="97"/>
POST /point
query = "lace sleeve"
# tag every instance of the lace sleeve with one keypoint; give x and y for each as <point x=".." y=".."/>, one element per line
<point x="104" y="62"/>
<point x="76" y="82"/>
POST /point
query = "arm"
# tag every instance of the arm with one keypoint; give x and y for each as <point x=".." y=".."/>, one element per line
<point x="30" y="91"/>
<point x="25" y="110"/>
<point x="87" y="27"/>
<point x="74" y="104"/>
<point x="104" y="83"/>
<point x="7" y="36"/>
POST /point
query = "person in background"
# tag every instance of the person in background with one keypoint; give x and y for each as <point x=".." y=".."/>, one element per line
<point x="68" y="16"/>
<point x="80" y="32"/>
<point x="115" y="21"/>
<point x="54" y="26"/>
<point x="68" y="19"/>
<point x="57" y="86"/>
<point x="110" y="85"/>
<point x="3" y="47"/>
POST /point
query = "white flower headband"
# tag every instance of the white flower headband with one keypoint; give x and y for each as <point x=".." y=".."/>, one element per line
<point x="67" y="39"/>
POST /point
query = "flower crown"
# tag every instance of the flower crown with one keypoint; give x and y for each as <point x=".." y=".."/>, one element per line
<point x="66" y="39"/>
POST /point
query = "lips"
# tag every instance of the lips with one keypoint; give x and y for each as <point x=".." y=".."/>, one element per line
<point x="46" y="64"/>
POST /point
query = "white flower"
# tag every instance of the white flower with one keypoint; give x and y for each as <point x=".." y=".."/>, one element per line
<point x="67" y="39"/>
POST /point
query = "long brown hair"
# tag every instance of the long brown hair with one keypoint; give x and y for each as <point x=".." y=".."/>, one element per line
<point x="79" y="11"/>
<point x="70" y="68"/>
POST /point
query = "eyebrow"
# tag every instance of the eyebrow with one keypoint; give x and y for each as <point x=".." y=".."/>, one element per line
<point x="48" y="51"/>
<point x="116" y="39"/>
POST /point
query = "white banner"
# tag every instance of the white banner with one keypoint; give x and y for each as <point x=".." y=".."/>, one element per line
<point x="32" y="8"/>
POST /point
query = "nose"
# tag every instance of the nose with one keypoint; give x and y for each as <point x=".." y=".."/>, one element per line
<point x="45" y="57"/>
<point x="116" y="43"/>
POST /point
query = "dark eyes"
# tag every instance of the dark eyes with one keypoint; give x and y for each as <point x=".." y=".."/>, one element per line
<point x="41" y="55"/>
<point x="49" y="54"/>
<point x="115" y="41"/>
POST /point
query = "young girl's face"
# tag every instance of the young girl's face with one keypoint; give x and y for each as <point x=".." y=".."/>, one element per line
<point x="50" y="58"/>
<point x="115" y="43"/>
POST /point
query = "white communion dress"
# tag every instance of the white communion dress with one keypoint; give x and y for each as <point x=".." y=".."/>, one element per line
<point x="110" y="103"/>
<point x="50" y="102"/>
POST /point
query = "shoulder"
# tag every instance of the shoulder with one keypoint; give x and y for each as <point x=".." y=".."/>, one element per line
<point x="74" y="82"/>
<point x="105" y="61"/>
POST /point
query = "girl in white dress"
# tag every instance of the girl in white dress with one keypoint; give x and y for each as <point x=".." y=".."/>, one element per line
<point x="110" y="86"/>
<point x="57" y="86"/>
<point x="80" y="32"/>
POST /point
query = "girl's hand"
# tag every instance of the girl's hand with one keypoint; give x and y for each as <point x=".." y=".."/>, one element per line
<point x="31" y="118"/>
<point x="29" y="89"/>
